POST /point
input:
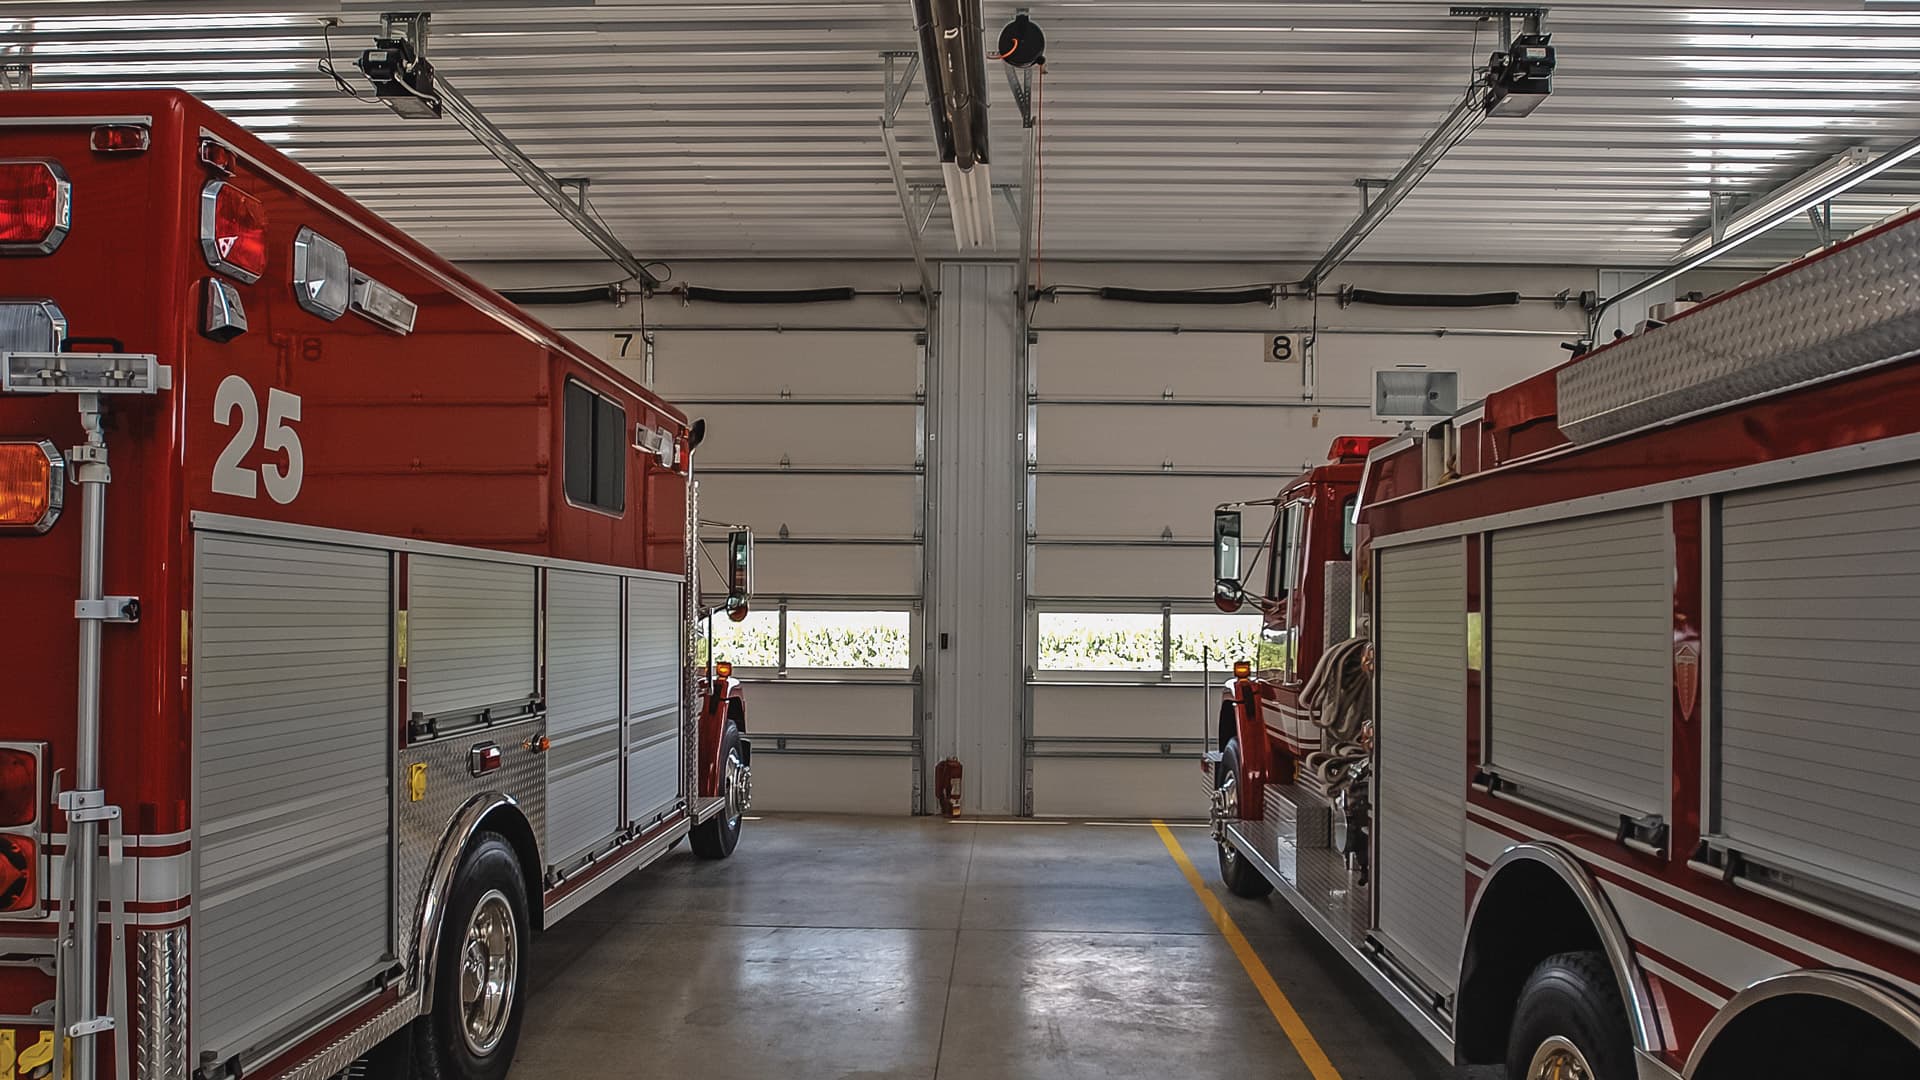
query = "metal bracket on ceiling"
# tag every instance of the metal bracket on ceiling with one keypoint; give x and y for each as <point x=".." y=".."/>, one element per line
<point x="1368" y="186"/>
<point x="1822" y="217"/>
<point x="577" y="186"/>
<point x="1529" y="15"/>
<point x="1021" y="83"/>
<point x="895" y="86"/>
<point x="16" y="75"/>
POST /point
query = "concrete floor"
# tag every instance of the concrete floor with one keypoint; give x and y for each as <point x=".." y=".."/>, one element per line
<point x="847" y="948"/>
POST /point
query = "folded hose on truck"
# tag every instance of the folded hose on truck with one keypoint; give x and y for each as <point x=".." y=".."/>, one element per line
<point x="1340" y="694"/>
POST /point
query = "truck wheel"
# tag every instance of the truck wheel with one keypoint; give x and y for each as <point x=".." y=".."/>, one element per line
<point x="1570" y="1023"/>
<point x="1242" y="878"/>
<point x="716" y="837"/>
<point x="480" y="979"/>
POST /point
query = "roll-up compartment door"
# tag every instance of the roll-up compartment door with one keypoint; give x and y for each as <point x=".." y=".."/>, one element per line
<point x="1580" y="666"/>
<point x="1420" y="642"/>
<point x="1817" y="740"/>
<point x="583" y="712"/>
<point x="655" y="666"/>
<point x="292" y="800"/>
<point x="470" y="636"/>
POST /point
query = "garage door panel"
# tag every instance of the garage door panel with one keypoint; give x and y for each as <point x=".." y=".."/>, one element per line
<point x="832" y="785"/>
<point x="692" y="365"/>
<point x="1133" y="712"/>
<point x="1141" y="506"/>
<point x="1115" y="788"/>
<point x="809" y="434"/>
<point x="1151" y="435"/>
<point x="778" y="707"/>
<point x="830" y="569"/>
<point x="1167" y="572"/>
<point x="875" y="506"/>
<point x="1132" y="365"/>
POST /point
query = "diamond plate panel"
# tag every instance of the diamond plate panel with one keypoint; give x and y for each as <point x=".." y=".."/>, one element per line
<point x="160" y="1004"/>
<point x="1338" y="608"/>
<point x="423" y="824"/>
<point x="1850" y="308"/>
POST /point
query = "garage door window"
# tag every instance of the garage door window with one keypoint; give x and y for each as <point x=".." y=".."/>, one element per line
<point x="596" y="450"/>
<point x="751" y="643"/>
<point x="1100" y="641"/>
<point x="1213" y="641"/>
<point x="780" y="639"/>
<point x="865" y="640"/>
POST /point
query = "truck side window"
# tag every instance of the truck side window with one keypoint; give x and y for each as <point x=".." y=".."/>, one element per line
<point x="1282" y="573"/>
<point x="1347" y="523"/>
<point x="596" y="445"/>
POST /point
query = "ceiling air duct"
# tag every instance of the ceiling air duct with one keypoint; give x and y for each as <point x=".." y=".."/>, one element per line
<point x="954" y="57"/>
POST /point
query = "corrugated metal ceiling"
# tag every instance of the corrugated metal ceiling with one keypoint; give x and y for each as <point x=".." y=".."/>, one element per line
<point x="1222" y="129"/>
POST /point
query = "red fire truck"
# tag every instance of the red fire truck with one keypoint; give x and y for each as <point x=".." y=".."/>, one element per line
<point x="1592" y="741"/>
<point x="348" y="619"/>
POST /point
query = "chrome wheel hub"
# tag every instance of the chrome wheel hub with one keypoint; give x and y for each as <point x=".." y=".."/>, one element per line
<point x="1558" y="1059"/>
<point x="489" y="970"/>
<point x="739" y="781"/>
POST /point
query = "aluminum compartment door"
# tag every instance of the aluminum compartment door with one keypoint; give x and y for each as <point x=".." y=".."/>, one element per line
<point x="1580" y="666"/>
<point x="470" y="636"/>
<point x="1421" y="643"/>
<point x="292" y="683"/>
<point x="1819" y="669"/>
<point x="655" y="668"/>
<point x="583" y="712"/>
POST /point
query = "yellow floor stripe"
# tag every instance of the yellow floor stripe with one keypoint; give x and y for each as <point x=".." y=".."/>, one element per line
<point x="1277" y="1003"/>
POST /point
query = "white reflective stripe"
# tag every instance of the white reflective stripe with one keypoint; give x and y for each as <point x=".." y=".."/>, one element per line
<point x="1681" y="982"/>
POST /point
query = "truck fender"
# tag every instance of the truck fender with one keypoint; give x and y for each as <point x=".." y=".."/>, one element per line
<point x="484" y="812"/>
<point x="1642" y="1018"/>
<point x="1877" y="1000"/>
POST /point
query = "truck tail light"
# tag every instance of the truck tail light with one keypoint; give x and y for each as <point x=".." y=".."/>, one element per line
<point x="21" y="811"/>
<point x="32" y="487"/>
<point x="36" y="206"/>
<point x="219" y="158"/>
<point x="233" y="231"/>
<point x="19" y="873"/>
<point x="19" y="787"/>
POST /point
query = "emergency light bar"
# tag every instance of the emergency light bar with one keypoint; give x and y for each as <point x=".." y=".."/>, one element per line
<point x="83" y="373"/>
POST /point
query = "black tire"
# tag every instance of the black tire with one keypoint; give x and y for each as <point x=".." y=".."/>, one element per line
<point x="716" y="837"/>
<point x="489" y="874"/>
<point x="1242" y="878"/>
<point x="1571" y="997"/>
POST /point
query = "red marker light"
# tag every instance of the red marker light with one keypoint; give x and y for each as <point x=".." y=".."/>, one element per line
<point x="220" y="159"/>
<point x="120" y="139"/>
<point x="233" y="231"/>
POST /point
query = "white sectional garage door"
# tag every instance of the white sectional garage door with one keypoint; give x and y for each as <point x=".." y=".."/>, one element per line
<point x="1137" y="436"/>
<point x="814" y="439"/>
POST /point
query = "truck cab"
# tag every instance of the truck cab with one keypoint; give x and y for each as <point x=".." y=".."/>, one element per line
<point x="1304" y="567"/>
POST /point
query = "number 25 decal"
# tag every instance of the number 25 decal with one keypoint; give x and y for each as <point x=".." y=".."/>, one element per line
<point x="235" y="397"/>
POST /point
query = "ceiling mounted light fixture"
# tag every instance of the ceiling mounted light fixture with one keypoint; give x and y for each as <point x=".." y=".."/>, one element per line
<point x="1794" y="193"/>
<point x="954" y="58"/>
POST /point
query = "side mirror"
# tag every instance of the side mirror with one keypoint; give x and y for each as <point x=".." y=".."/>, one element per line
<point x="1227" y="594"/>
<point x="739" y="571"/>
